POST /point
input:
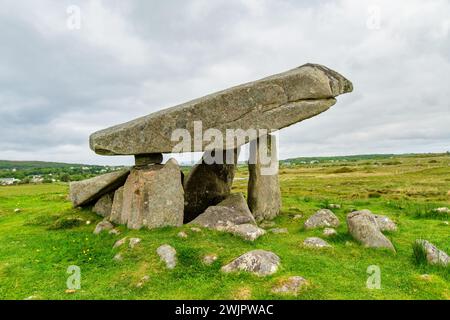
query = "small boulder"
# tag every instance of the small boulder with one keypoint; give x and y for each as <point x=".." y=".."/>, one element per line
<point x="195" y="229"/>
<point x="334" y="206"/>
<point x="114" y="232"/>
<point x="385" y="223"/>
<point x="120" y="243"/>
<point x="433" y="255"/>
<point x="363" y="226"/>
<point x="279" y="230"/>
<point x="314" y="242"/>
<point x="290" y="286"/>
<point x="442" y="210"/>
<point x="259" y="262"/>
<point x="168" y="254"/>
<point x="246" y="231"/>
<point x="298" y="217"/>
<point x="329" y="232"/>
<point x="322" y="218"/>
<point x="102" y="226"/>
<point x="209" y="259"/>
<point x="134" y="242"/>
<point x="118" y="257"/>
<point x="182" y="234"/>
<point x="17" y="210"/>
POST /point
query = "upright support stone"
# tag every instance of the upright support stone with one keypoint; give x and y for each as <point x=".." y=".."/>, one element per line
<point x="148" y="159"/>
<point x="152" y="197"/>
<point x="208" y="184"/>
<point x="264" y="194"/>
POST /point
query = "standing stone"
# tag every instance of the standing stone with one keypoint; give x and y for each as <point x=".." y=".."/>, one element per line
<point x="208" y="184"/>
<point x="116" y="210"/>
<point x="87" y="191"/>
<point x="264" y="194"/>
<point x="363" y="226"/>
<point x="104" y="205"/>
<point x="153" y="197"/>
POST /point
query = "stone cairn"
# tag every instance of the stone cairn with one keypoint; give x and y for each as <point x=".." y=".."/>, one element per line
<point x="152" y="194"/>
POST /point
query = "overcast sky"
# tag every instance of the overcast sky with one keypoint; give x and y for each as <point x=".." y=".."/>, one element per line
<point x="58" y="84"/>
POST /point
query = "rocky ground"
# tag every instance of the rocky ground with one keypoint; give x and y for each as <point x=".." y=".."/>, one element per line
<point x="320" y="247"/>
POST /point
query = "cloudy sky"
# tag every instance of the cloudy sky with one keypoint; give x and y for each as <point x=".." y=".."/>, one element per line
<point x="59" y="83"/>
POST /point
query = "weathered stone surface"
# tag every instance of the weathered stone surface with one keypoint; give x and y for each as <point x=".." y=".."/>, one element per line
<point x="168" y="254"/>
<point x="385" y="223"/>
<point x="271" y="103"/>
<point x="279" y="230"/>
<point x="433" y="255"/>
<point x="363" y="226"/>
<point x="246" y="231"/>
<point x="329" y="232"/>
<point x="87" y="191"/>
<point x="260" y="262"/>
<point x="231" y="211"/>
<point x="134" y="242"/>
<point x="314" y="242"/>
<point x="104" y="205"/>
<point x="152" y="197"/>
<point x="209" y="259"/>
<point x="264" y="194"/>
<point x="102" y="226"/>
<point x="146" y="159"/>
<point x="182" y="234"/>
<point x="208" y="184"/>
<point x="117" y="206"/>
<point x="322" y="218"/>
<point x="290" y="286"/>
<point x="120" y="243"/>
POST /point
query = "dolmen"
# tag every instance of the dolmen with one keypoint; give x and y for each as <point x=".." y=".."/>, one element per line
<point x="152" y="194"/>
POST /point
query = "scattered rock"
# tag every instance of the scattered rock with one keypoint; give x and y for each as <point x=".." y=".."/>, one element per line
<point x="17" y="210"/>
<point x="322" y="218"/>
<point x="334" y="206"/>
<point x="88" y="222"/>
<point x="120" y="243"/>
<point x="279" y="230"/>
<point x="102" y="226"/>
<point x="259" y="262"/>
<point x="363" y="226"/>
<point x="134" y="242"/>
<point x="433" y="255"/>
<point x="329" y="232"/>
<point x="385" y="223"/>
<point x="246" y="231"/>
<point x="114" y="232"/>
<point x="103" y="205"/>
<point x="195" y="229"/>
<point x="290" y="286"/>
<point x="182" y="234"/>
<point x="168" y="254"/>
<point x="207" y="184"/>
<point x="264" y="193"/>
<point x="118" y="257"/>
<point x="442" y="210"/>
<point x="209" y="259"/>
<point x="143" y="280"/>
<point x="232" y="211"/>
<point x="88" y="191"/>
<point x="267" y="224"/>
<point x="298" y="217"/>
<point x="314" y="242"/>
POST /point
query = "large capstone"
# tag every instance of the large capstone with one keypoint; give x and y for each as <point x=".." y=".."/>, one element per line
<point x="271" y="103"/>
<point x="152" y="197"/>
<point x="208" y="184"/>
<point x="88" y="191"/>
<point x="264" y="194"/>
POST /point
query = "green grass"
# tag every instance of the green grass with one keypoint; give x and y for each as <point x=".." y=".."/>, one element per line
<point x="39" y="243"/>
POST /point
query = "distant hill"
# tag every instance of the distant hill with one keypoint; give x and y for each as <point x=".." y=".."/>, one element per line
<point x="20" y="165"/>
<point x="356" y="157"/>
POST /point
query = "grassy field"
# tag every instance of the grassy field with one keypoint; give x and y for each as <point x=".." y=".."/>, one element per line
<point x="40" y="242"/>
